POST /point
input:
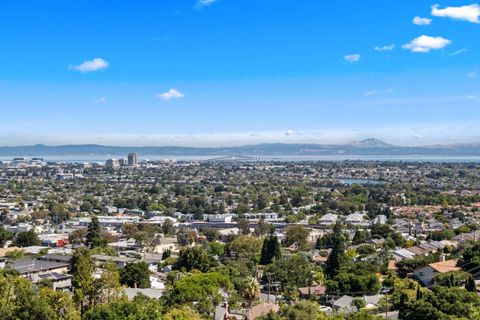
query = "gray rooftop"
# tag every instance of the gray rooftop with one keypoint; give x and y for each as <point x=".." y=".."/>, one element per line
<point x="30" y="265"/>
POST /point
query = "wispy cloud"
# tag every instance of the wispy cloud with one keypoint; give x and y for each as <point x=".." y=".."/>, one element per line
<point x="204" y="3"/>
<point x="469" y="13"/>
<point x="370" y="93"/>
<point x="403" y="134"/>
<point x="352" y="57"/>
<point x="388" y="47"/>
<point x="170" y="94"/>
<point x="426" y="44"/>
<point x="456" y="53"/>
<point x="101" y="100"/>
<point x="91" y="65"/>
<point x="419" y="21"/>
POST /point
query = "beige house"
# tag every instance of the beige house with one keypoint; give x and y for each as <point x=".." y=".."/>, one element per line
<point x="427" y="273"/>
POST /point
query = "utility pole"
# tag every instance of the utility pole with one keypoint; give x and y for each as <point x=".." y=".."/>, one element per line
<point x="269" y="279"/>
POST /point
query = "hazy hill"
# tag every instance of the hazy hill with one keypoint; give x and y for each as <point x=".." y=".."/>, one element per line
<point x="364" y="147"/>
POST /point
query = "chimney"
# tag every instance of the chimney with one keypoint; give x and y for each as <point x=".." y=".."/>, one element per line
<point x="442" y="257"/>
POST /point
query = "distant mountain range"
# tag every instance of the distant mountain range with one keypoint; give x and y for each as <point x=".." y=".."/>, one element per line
<point x="364" y="147"/>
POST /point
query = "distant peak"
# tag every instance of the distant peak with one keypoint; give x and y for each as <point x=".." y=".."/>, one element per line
<point x="370" y="143"/>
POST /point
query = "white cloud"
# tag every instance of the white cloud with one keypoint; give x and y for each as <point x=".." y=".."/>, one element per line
<point x="469" y="13"/>
<point x="419" y="21"/>
<point x="352" y="57"/>
<point x="204" y="3"/>
<point x="91" y="65"/>
<point x="426" y="44"/>
<point x="370" y="93"/>
<point x="389" y="47"/>
<point x="170" y="94"/>
<point x="472" y="97"/>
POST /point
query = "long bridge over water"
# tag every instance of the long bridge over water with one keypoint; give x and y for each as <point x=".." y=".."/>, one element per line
<point x="239" y="158"/>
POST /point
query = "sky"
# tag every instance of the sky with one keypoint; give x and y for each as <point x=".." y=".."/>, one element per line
<point x="236" y="72"/>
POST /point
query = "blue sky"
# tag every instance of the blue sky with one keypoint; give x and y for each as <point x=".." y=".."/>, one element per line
<point x="232" y="72"/>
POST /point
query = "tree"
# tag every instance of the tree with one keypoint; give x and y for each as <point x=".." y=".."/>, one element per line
<point x="211" y="234"/>
<point x="129" y="230"/>
<point x="200" y="289"/>
<point x="296" y="234"/>
<point x="5" y="235"/>
<point x="168" y="228"/>
<point x="262" y="227"/>
<point x="270" y="250"/>
<point x="183" y="313"/>
<point x="77" y="236"/>
<point x="94" y="234"/>
<point x="337" y="255"/>
<point x="109" y="282"/>
<point x="358" y="303"/>
<point x="299" y="311"/>
<point x="245" y="247"/>
<point x="26" y="239"/>
<point x="82" y="269"/>
<point x="470" y="284"/>
<point x="186" y="237"/>
<point x="193" y="258"/>
<point x="295" y="271"/>
<point x="360" y="237"/>
<point x="244" y="226"/>
<point x="141" y="308"/>
<point x="251" y="291"/>
<point x="135" y="275"/>
<point x="20" y="300"/>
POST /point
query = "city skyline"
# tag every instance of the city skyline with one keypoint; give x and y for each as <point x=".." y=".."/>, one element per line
<point x="228" y="73"/>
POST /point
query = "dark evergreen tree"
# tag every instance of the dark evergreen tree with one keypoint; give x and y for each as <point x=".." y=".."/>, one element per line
<point x="470" y="284"/>
<point x="419" y="294"/>
<point x="270" y="250"/>
<point x="94" y="235"/>
<point x="337" y="255"/>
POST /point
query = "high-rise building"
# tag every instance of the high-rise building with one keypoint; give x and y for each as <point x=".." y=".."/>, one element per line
<point x="132" y="159"/>
<point x="111" y="163"/>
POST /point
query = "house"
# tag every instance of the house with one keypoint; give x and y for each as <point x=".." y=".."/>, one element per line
<point x="403" y="254"/>
<point x="328" y="219"/>
<point x="272" y="217"/>
<point x="372" y="301"/>
<point x="344" y="304"/>
<point x="427" y="273"/>
<point x="33" y="269"/>
<point x="262" y="309"/>
<point x="223" y="218"/>
<point x="315" y="291"/>
<point x="151" y="293"/>
<point x="60" y="258"/>
<point x="418" y="251"/>
<point x="160" y="220"/>
<point x="357" y="219"/>
<point x="120" y="262"/>
<point x="380" y="219"/>
<point x="392" y="265"/>
<point x="60" y="281"/>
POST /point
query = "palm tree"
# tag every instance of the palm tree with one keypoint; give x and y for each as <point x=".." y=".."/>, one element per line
<point x="251" y="291"/>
